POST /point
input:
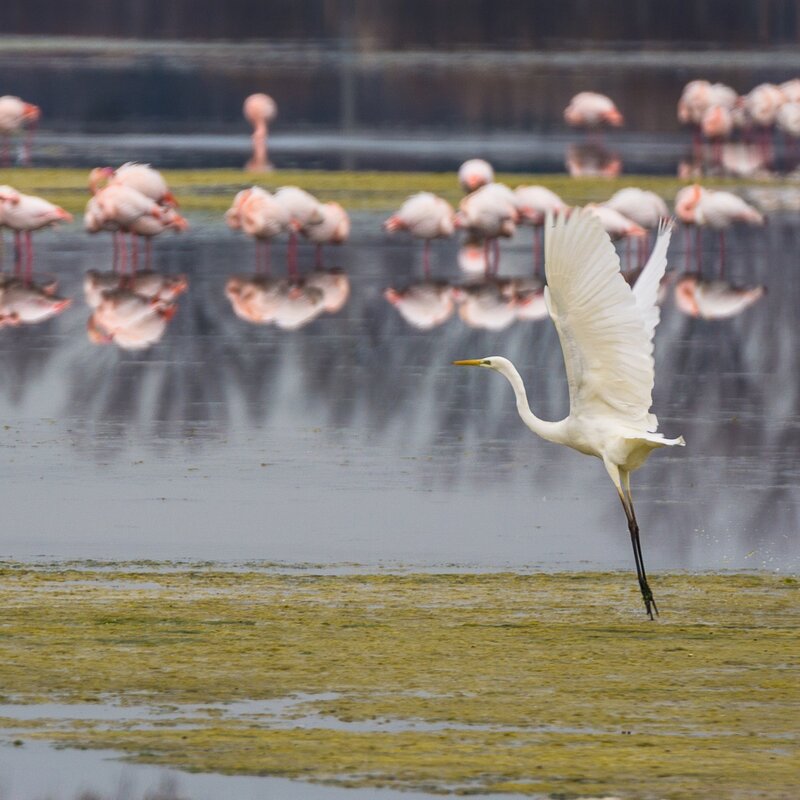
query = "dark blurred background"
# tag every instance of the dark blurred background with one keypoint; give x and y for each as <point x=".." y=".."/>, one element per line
<point x="366" y="65"/>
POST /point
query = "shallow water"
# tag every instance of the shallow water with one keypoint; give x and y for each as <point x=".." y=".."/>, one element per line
<point x="353" y="440"/>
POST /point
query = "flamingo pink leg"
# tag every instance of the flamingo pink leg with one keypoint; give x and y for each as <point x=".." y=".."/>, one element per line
<point x="28" y="257"/>
<point x="537" y="250"/>
<point x="17" y="253"/>
<point x="115" y="252"/>
<point x="318" y="257"/>
<point x="123" y="253"/>
<point x="148" y="253"/>
<point x="426" y="258"/>
<point x="134" y="253"/>
<point x="292" y="255"/>
<point x="496" y="256"/>
<point x="698" y="250"/>
<point x="722" y="254"/>
<point x="687" y="249"/>
<point x="6" y="160"/>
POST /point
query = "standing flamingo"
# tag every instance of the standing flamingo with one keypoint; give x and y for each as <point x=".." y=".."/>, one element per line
<point x="331" y="225"/>
<point x="260" y="215"/>
<point x="24" y="215"/>
<point x="534" y="203"/>
<point x="592" y="110"/>
<point x="487" y="214"/>
<point x="117" y="208"/>
<point x="142" y="177"/>
<point x="15" y="114"/>
<point x="474" y="173"/>
<point x="761" y="106"/>
<point x="641" y="206"/>
<point x="303" y="209"/>
<point x="717" y="210"/>
<point x="425" y="216"/>
<point x="259" y="110"/>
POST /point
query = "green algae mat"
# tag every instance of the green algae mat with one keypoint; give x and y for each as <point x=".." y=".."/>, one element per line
<point x="211" y="190"/>
<point x="546" y="684"/>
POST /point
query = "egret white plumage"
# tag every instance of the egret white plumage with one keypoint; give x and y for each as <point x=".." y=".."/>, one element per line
<point x="606" y="331"/>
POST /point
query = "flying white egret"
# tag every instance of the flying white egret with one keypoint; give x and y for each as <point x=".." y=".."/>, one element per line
<point x="606" y="331"/>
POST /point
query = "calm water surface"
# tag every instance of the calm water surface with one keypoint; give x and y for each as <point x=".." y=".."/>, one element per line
<point x="353" y="440"/>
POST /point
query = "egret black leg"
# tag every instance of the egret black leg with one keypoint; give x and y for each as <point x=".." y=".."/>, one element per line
<point x="644" y="586"/>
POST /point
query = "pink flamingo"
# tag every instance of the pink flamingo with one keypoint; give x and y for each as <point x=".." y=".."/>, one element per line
<point x="15" y="114"/>
<point x="761" y="106"/>
<point x="425" y="216"/>
<point x="717" y="210"/>
<point x="117" y="208"/>
<point x="475" y="173"/>
<point x="331" y="225"/>
<point x="487" y="214"/>
<point x="259" y="214"/>
<point x="25" y="215"/>
<point x="788" y="122"/>
<point x="534" y="203"/>
<point x="641" y="206"/>
<point x="259" y="110"/>
<point x="303" y="209"/>
<point x="142" y="177"/>
<point x="592" y="110"/>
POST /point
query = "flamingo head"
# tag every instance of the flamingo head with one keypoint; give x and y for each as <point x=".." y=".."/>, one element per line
<point x="614" y="118"/>
<point x="98" y="176"/>
<point x="9" y="195"/>
<point x="687" y="201"/>
<point x="31" y="113"/>
<point x="393" y="296"/>
<point x="95" y="334"/>
<point x="168" y="199"/>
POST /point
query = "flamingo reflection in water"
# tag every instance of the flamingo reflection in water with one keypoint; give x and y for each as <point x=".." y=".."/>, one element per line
<point x="24" y="302"/>
<point x="714" y="299"/>
<point x="132" y="311"/>
<point x="287" y="303"/>
<point x="424" y="305"/>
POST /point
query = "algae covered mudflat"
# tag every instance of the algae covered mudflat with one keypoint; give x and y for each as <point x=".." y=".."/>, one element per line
<point x="211" y="190"/>
<point x="536" y="683"/>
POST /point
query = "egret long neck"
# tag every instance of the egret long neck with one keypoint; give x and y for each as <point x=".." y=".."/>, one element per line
<point x="552" y="431"/>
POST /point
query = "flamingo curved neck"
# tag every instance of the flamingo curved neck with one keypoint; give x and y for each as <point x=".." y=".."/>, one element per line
<point x="552" y="431"/>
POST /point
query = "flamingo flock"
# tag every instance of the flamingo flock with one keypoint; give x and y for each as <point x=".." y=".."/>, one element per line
<point x="132" y="306"/>
<point x="739" y="129"/>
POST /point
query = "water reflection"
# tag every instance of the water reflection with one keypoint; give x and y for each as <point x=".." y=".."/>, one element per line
<point x="424" y="305"/>
<point x="714" y="299"/>
<point x="592" y="160"/>
<point x="132" y="311"/>
<point x="23" y="302"/>
<point x="402" y="451"/>
<point x="288" y="303"/>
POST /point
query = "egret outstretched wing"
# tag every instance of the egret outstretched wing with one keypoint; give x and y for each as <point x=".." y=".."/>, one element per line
<point x="645" y="290"/>
<point x="604" y="336"/>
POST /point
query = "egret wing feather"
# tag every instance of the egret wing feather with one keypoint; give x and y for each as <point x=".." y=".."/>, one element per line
<point x="645" y="290"/>
<point x="607" y="353"/>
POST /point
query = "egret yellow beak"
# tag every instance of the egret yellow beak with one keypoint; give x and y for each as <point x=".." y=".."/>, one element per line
<point x="470" y="362"/>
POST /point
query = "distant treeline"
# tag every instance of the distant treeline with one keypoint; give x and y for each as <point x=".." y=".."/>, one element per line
<point x="403" y="24"/>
